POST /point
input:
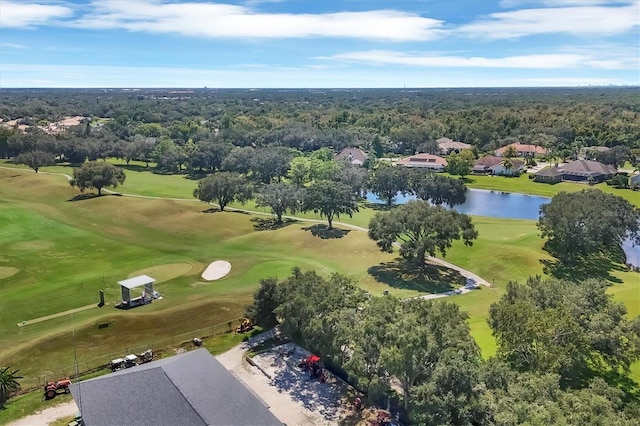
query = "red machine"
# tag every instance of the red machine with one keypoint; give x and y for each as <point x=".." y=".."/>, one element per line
<point x="51" y="389"/>
<point x="313" y="366"/>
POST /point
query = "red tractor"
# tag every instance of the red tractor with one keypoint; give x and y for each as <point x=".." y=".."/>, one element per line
<point x="51" y="389"/>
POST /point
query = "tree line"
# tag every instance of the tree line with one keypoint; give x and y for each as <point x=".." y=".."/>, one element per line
<point x="557" y="341"/>
<point x="381" y="121"/>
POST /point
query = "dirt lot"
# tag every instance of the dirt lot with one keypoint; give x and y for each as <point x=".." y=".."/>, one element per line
<point x="293" y="397"/>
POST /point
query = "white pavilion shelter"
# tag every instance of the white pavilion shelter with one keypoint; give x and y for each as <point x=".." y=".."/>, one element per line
<point x="127" y="285"/>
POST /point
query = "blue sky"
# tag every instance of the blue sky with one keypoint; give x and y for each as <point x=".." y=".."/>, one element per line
<point x="316" y="43"/>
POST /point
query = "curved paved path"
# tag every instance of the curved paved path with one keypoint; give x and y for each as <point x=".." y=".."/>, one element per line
<point x="462" y="271"/>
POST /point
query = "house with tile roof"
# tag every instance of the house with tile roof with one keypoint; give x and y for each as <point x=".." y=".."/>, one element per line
<point x="493" y="165"/>
<point x="448" y="146"/>
<point x="523" y="150"/>
<point x="424" y="161"/>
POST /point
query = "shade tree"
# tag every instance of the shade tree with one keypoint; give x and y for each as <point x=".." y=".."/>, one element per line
<point x="461" y="163"/>
<point x="590" y="221"/>
<point x="436" y="188"/>
<point x="565" y="328"/>
<point x="280" y="197"/>
<point x="224" y="188"/>
<point x="270" y="163"/>
<point x="330" y="199"/>
<point x="420" y="230"/>
<point x="387" y="181"/>
<point x="35" y="159"/>
<point x="97" y="175"/>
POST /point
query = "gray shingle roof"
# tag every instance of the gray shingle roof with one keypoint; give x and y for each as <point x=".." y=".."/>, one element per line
<point x="584" y="167"/>
<point x="187" y="389"/>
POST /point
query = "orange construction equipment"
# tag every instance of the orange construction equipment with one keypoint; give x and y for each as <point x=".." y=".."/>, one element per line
<point x="51" y="389"/>
<point x="245" y="325"/>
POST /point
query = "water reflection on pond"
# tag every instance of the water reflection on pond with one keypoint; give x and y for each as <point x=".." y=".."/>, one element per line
<point x="507" y="205"/>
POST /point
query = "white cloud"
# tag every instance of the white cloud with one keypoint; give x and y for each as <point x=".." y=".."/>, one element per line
<point x="537" y="61"/>
<point x="13" y="46"/>
<point x="587" y="20"/>
<point x="561" y="3"/>
<point x="216" y="20"/>
<point x="43" y="75"/>
<point x="20" y="14"/>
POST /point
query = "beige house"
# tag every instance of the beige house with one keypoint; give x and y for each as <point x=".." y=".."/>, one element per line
<point x="424" y="161"/>
<point x="447" y="146"/>
<point x="523" y="150"/>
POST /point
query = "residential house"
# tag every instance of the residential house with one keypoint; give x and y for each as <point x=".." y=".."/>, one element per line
<point x="355" y="156"/>
<point x="424" y="161"/>
<point x="523" y="150"/>
<point x="493" y="165"/>
<point x="447" y="146"/>
<point x="577" y="171"/>
<point x="548" y="175"/>
<point x="634" y="182"/>
<point x="192" y="388"/>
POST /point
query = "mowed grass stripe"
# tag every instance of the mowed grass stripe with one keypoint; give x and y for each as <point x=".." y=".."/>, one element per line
<point x="59" y="314"/>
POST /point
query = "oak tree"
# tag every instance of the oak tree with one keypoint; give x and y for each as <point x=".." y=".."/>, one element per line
<point x="98" y="175"/>
<point x="421" y="230"/>
<point x="330" y="199"/>
<point x="224" y="188"/>
<point x="280" y="198"/>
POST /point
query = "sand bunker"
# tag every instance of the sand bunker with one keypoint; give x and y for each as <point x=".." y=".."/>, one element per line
<point x="8" y="271"/>
<point x="216" y="270"/>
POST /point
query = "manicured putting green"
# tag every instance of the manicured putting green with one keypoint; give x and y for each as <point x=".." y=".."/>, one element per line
<point x="167" y="272"/>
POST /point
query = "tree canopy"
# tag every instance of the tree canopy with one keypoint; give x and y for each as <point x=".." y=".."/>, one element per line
<point x="223" y="188"/>
<point x="437" y="189"/>
<point x="565" y="328"/>
<point x="587" y="222"/>
<point x="421" y="230"/>
<point x="423" y="350"/>
<point x="280" y="198"/>
<point x="98" y="175"/>
<point x="35" y="159"/>
<point x="388" y="181"/>
<point x="461" y="163"/>
<point x="330" y="199"/>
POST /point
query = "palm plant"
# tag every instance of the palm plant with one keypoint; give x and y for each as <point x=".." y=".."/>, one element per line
<point x="510" y="152"/>
<point x="8" y="384"/>
<point x="507" y="164"/>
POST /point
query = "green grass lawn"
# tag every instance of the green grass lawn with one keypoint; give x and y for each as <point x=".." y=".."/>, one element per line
<point x="524" y="185"/>
<point x="65" y="251"/>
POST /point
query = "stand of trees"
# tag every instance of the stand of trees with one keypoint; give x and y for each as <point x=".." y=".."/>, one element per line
<point x="206" y="125"/>
<point x="580" y="224"/>
<point x="426" y="346"/>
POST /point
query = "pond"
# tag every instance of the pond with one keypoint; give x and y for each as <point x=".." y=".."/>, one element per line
<point x="507" y="205"/>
